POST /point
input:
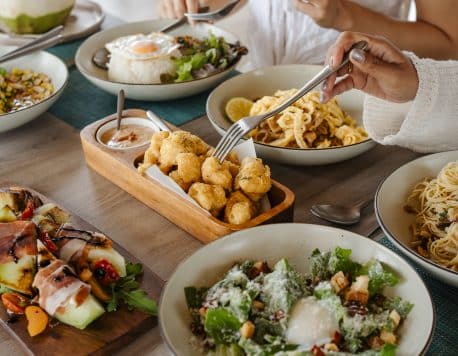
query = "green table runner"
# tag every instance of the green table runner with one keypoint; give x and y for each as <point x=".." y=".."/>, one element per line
<point x="83" y="103"/>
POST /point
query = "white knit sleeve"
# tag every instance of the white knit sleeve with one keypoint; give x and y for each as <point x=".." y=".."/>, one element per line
<point x="429" y="123"/>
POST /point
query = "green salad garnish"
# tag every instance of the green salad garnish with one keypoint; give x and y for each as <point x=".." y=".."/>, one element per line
<point x="202" y="58"/>
<point x="248" y="311"/>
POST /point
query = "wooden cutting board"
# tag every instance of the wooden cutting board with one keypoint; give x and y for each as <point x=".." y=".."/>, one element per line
<point x="108" y="333"/>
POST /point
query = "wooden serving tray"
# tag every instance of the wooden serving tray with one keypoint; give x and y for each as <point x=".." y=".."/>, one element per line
<point x="119" y="167"/>
<point x="110" y="332"/>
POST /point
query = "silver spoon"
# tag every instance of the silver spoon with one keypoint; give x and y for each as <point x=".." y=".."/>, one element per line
<point x="340" y="214"/>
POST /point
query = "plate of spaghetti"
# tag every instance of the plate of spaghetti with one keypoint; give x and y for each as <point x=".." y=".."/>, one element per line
<point x="306" y="133"/>
<point x="417" y="207"/>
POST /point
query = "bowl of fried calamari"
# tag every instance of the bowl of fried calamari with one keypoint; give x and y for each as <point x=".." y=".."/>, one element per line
<point x="306" y="133"/>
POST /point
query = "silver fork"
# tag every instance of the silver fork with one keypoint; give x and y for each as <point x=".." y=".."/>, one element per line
<point x="214" y="15"/>
<point x="245" y="125"/>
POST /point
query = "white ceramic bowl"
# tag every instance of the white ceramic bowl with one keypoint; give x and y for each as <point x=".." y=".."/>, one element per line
<point x="296" y="242"/>
<point x="149" y="92"/>
<point x="390" y="200"/>
<point x="125" y="121"/>
<point x="267" y="81"/>
<point x="42" y="62"/>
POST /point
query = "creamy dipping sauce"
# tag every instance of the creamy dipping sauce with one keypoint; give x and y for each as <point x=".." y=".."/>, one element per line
<point x="128" y="136"/>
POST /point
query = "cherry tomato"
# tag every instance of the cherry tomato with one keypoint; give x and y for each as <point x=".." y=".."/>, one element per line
<point x="316" y="351"/>
<point x="105" y="272"/>
<point x="28" y="211"/>
<point x="14" y="303"/>
<point x="50" y="245"/>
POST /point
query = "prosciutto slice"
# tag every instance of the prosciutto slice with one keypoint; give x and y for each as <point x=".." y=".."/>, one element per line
<point x="57" y="285"/>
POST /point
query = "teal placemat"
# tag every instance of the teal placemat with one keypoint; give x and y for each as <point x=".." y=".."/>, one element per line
<point x="83" y="103"/>
<point x="445" y="299"/>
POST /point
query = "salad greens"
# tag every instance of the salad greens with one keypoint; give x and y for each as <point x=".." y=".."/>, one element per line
<point x="202" y="58"/>
<point x="128" y="290"/>
<point x="247" y="311"/>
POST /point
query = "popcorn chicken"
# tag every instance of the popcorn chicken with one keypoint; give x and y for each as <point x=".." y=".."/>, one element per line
<point x="179" y="142"/>
<point x="175" y="175"/>
<point x="239" y="209"/>
<point x="189" y="167"/>
<point x="152" y="153"/>
<point x="359" y="290"/>
<point x="213" y="172"/>
<point x="210" y="197"/>
<point x="339" y="282"/>
<point x="253" y="178"/>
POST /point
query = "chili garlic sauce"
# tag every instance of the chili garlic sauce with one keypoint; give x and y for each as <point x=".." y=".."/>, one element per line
<point x="129" y="135"/>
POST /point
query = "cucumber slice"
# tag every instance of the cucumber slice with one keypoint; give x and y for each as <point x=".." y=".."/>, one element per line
<point x="112" y="256"/>
<point x="80" y="316"/>
<point x="19" y="275"/>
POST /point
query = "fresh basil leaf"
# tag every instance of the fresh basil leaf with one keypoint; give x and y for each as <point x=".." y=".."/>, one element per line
<point x="222" y="326"/>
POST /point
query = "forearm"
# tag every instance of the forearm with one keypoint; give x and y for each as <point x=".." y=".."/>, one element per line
<point x="422" y="38"/>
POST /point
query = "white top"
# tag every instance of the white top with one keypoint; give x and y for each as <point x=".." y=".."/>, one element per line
<point x="429" y="123"/>
<point x="279" y="34"/>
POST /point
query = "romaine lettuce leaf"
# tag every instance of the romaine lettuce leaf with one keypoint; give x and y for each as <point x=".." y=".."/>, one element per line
<point x="222" y="326"/>
<point x="403" y="307"/>
<point x="380" y="276"/>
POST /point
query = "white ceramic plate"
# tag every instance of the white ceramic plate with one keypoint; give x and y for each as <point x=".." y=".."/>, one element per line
<point x="296" y="242"/>
<point x="149" y="92"/>
<point x="85" y="19"/>
<point x="390" y="200"/>
<point x="42" y="62"/>
<point x="267" y="81"/>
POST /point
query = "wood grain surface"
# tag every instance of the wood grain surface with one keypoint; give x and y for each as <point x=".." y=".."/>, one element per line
<point x="46" y="154"/>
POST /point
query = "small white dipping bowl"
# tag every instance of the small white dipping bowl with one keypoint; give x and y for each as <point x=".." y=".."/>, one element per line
<point x="41" y="62"/>
<point x="148" y="92"/>
<point x="267" y="81"/>
<point x="390" y="199"/>
<point x="125" y="121"/>
<point x="296" y="242"/>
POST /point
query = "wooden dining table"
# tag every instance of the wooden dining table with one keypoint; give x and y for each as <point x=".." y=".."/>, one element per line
<point x="46" y="155"/>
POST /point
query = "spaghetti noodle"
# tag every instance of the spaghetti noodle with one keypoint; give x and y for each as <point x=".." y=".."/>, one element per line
<point x="435" y="203"/>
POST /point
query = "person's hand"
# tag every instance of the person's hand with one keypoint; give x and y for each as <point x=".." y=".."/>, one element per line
<point x="325" y="13"/>
<point x="382" y="70"/>
<point x="175" y="9"/>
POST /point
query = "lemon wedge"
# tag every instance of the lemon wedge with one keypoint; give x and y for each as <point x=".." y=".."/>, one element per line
<point x="237" y="108"/>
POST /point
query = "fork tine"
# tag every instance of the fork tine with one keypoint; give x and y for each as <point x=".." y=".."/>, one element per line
<point x="224" y="139"/>
<point x="232" y="139"/>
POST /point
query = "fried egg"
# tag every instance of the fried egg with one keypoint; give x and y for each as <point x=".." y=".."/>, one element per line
<point x="143" y="47"/>
<point x="142" y="59"/>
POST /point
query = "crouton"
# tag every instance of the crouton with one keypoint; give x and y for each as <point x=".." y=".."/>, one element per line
<point x="339" y="282"/>
<point x="388" y="337"/>
<point x="395" y="318"/>
<point x="359" y="290"/>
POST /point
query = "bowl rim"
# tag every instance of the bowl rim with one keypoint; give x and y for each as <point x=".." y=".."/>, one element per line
<point x="216" y="123"/>
<point x="83" y="71"/>
<point x="406" y="250"/>
<point x="332" y="228"/>
<point x="52" y="96"/>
